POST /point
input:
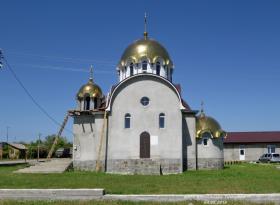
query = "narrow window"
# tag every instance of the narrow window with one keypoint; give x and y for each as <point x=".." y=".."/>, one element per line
<point x="144" y="66"/>
<point x="127" y="120"/>
<point x="205" y="138"/>
<point x="161" y="120"/>
<point x="131" y="69"/>
<point x="87" y="103"/>
<point x="205" y="141"/>
<point x="158" y="68"/>
<point x="95" y="103"/>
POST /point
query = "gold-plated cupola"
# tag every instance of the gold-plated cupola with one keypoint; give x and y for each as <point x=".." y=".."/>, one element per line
<point x="148" y="49"/>
<point x="145" y="48"/>
<point x="90" y="89"/>
<point x="206" y="124"/>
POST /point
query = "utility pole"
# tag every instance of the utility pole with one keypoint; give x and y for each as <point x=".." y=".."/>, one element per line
<point x="7" y="134"/>
<point x="38" y="147"/>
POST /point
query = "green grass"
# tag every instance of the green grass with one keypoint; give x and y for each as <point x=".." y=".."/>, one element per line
<point x="243" y="178"/>
<point x="11" y="202"/>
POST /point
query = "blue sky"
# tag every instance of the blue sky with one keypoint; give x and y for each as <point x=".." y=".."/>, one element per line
<point x="226" y="53"/>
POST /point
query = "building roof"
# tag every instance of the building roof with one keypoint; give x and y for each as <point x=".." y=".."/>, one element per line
<point x="145" y="48"/>
<point x="252" y="137"/>
<point x="15" y="145"/>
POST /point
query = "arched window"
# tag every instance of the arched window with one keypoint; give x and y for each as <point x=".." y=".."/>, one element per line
<point x="205" y="138"/>
<point x="125" y="70"/>
<point x="131" y="69"/>
<point x="87" y="103"/>
<point x="144" y="66"/>
<point x="161" y="120"/>
<point x="95" y="103"/>
<point x="127" y="120"/>
<point x="158" y="68"/>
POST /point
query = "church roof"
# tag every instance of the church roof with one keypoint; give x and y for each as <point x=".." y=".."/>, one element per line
<point x="146" y="48"/>
<point x="252" y="137"/>
<point x="91" y="89"/>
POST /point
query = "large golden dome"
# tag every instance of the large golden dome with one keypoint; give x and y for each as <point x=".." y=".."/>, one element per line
<point x="145" y="48"/>
<point x="208" y="124"/>
<point x="90" y="89"/>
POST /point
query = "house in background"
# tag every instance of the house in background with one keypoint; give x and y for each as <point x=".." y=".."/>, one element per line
<point x="249" y="146"/>
<point x="12" y="150"/>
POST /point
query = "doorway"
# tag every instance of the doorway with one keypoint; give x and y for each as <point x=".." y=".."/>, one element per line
<point x="242" y="152"/>
<point x="145" y="145"/>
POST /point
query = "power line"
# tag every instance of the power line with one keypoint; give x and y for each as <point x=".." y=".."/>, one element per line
<point x="59" y="68"/>
<point x="68" y="59"/>
<point x="30" y="96"/>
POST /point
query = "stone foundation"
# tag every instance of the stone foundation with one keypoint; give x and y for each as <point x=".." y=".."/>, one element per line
<point x="88" y="165"/>
<point x="150" y="166"/>
<point x="189" y="164"/>
<point x="144" y="166"/>
<point x="210" y="163"/>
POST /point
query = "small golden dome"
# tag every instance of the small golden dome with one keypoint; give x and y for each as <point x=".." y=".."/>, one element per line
<point x="90" y="89"/>
<point x="145" y="48"/>
<point x="208" y="124"/>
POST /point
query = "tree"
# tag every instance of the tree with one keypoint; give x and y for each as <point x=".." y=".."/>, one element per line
<point x="45" y="146"/>
<point x="62" y="142"/>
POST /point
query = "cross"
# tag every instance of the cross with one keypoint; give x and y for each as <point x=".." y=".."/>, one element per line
<point x="145" y="26"/>
<point x="91" y="73"/>
<point x="202" y="106"/>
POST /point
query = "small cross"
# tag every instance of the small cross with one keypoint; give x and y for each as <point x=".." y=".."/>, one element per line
<point x="91" y="72"/>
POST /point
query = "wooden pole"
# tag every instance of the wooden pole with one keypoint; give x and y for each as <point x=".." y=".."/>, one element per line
<point x="38" y="147"/>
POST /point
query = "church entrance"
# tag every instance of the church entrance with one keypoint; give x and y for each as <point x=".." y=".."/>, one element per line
<point x="145" y="145"/>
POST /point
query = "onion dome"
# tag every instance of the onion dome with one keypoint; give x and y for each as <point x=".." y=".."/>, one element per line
<point x="206" y="124"/>
<point x="145" y="48"/>
<point x="90" y="89"/>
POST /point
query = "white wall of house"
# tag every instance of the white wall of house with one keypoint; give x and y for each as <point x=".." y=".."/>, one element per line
<point x="252" y="151"/>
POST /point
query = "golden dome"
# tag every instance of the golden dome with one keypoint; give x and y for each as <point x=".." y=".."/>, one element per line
<point x="208" y="124"/>
<point x="90" y="89"/>
<point x="145" y="48"/>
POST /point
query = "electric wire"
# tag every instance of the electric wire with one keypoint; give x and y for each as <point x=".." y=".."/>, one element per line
<point x="43" y="110"/>
<point x="66" y="59"/>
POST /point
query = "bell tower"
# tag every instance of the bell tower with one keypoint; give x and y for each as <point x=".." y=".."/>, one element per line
<point x="89" y="96"/>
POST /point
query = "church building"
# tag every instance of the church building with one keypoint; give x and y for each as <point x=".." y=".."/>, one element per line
<point x="143" y="126"/>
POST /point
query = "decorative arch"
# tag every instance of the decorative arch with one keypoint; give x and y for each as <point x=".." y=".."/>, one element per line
<point x="119" y="86"/>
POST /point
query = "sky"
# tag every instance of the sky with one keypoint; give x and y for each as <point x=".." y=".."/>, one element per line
<point x="226" y="53"/>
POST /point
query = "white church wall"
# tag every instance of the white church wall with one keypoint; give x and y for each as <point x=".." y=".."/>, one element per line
<point x="189" y="142"/>
<point x="124" y="143"/>
<point x="210" y="156"/>
<point x="87" y="132"/>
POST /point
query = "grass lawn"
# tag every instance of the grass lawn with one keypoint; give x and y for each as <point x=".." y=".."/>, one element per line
<point x="10" y="202"/>
<point x="242" y="178"/>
